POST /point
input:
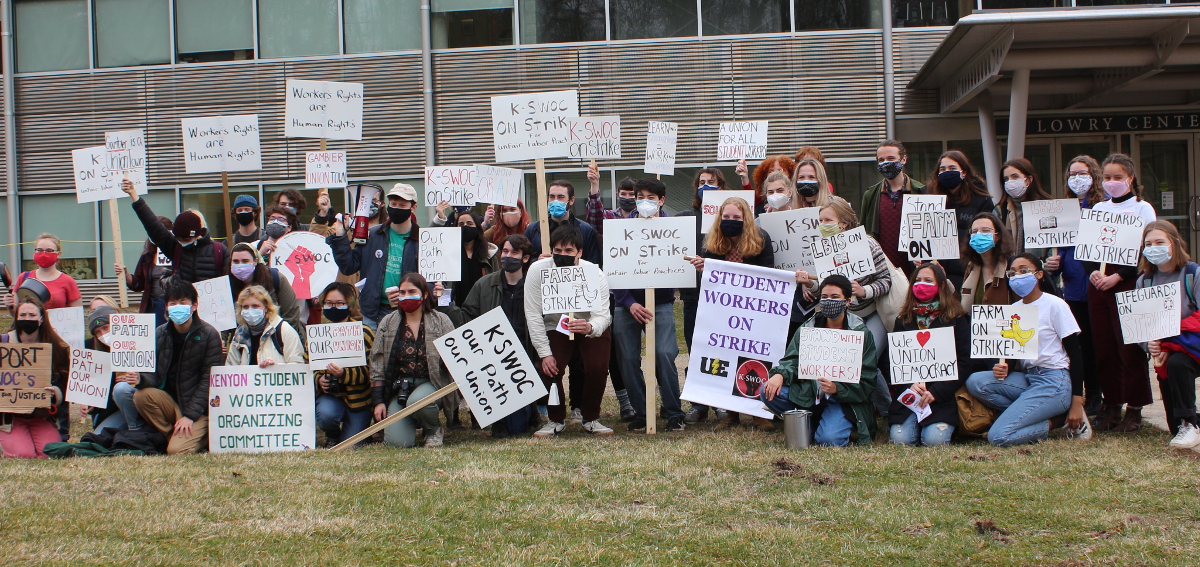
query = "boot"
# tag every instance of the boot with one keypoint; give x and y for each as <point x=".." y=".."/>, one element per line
<point x="762" y="424"/>
<point x="1132" y="421"/>
<point x="731" y="419"/>
<point x="1109" y="417"/>
<point x="627" y="411"/>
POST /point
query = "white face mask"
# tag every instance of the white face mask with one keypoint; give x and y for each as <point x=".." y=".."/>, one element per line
<point x="647" y="208"/>
<point x="104" y="339"/>
<point x="778" y="200"/>
<point x="1015" y="187"/>
<point x="1079" y="184"/>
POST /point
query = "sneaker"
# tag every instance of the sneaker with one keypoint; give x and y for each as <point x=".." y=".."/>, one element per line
<point x="551" y="429"/>
<point x="576" y="416"/>
<point x="675" y="424"/>
<point x="1083" y="433"/>
<point x="1188" y="436"/>
<point x="434" y="439"/>
<point x="594" y="426"/>
<point x="697" y="415"/>
<point x="638" y="424"/>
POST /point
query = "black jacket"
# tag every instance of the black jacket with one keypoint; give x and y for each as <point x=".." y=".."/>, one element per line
<point x="369" y="261"/>
<point x="203" y="261"/>
<point x="201" y="352"/>
<point x="944" y="406"/>
<point x="765" y="259"/>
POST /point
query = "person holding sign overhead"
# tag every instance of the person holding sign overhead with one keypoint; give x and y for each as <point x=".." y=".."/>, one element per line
<point x="193" y="253"/>
<point x="150" y="276"/>
<point x="984" y="282"/>
<point x="262" y="336"/>
<point x="595" y="212"/>
<point x="25" y="435"/>
<point x="841" y="410"/>
<point x="344" y="394"/>
<point x="1034" y="400"/>
<point x="1020" y="186"/>
<point x="62" y="288"/>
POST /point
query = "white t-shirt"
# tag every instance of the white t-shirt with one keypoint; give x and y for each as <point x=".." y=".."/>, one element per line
<point x="1055" y="322"/>
<point x="1132" y="206"/>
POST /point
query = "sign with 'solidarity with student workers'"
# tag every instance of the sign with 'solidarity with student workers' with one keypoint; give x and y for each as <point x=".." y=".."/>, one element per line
<point x="261" y="410"/>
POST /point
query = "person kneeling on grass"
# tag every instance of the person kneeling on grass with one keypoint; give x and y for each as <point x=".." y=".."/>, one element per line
<point x="842" y="411"/>
<point x="1034" y="401"/>
<point x="343" y="394"/>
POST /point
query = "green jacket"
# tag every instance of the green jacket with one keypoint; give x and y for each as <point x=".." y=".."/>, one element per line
<point x="868" y="214"/>
<point x="856" y="396"/>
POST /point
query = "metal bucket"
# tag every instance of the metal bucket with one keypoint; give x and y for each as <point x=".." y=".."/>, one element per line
<point x="797" y="430"/>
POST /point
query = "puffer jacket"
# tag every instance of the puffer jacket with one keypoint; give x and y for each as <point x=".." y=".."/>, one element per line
<point x="203" y="261"/>
<point x="201" y="352"/>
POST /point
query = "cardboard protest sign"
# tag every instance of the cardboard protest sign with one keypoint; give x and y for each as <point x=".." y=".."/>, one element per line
<point x="594" y="137"/>
<point x="931" y="235"/>
<point x="306" y="261"/>
<point x="498" y="185"/>
<point x="125" y="156"/>
<point x="573" y="289"/>
<point x="24" y="376"/>
<point x="68" y="322"/>
<point x="221" y="143"/>
<point x="92" y="181"/>
<point x="1114" y="238"/>
<point x="215" y="303"/>
<point x="132" y="342"/>
<point x="89" y="379"/>
<point x="923" y="356"/>
<point x="710" y="208"/>
<point x="454" y="184"/>
<point x="533" y="125"/>
<point x="1051" y="223"/>
<point x="261" y="410"/>
<point x="832" y="354"/>
<point x="847" y="253"/>
<point x="492" y="370"/>
<point x="740" y="323"/>
<point x="648" y="253"/>
<point x="439" y="254"/>
<point x="339" y="343"/>
<point x="1150" y="313"/>
<point x="324" y="170"/>
<point x="910" y="203"/>
<point x="742" y="140"/>
<point x="1004" y="331"/>
<point x="792" y="234"/>
<point x="661" y="138"/>
<point x="323" y="109"/>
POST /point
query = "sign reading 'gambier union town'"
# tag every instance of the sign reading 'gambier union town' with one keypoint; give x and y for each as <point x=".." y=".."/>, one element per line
<point x="1095" y="124"/>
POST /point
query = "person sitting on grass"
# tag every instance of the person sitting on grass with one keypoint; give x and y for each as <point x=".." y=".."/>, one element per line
<point x="25" y="435"/>
<point x="842" y="411"/>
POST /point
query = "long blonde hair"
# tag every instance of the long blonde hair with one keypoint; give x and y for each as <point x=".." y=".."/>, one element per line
<point x="750" y="243"/>
<point x="823" y="196"/>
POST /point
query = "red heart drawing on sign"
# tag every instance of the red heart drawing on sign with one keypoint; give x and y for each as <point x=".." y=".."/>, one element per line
<point x="923" y="337"/>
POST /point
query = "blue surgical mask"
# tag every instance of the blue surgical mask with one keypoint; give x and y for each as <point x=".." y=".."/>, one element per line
<point x="179" y="314"/>
<point x="1022" y="284"/>
<point x="982" y="242"/>
<point x="557" y="209"/>
<point x="253" y="316"/>
<point x="1157" y="255"/>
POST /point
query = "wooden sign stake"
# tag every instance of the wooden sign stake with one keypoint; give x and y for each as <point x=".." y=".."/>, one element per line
<point x="540" y="166"/>
<point x="649" y="367"/>
<point x="413" y="407"/>
<point x="228" y="210"/>
<point x="114" y="218"/>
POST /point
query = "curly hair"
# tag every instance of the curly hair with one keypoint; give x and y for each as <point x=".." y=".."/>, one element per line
<point x="787" y="164"/>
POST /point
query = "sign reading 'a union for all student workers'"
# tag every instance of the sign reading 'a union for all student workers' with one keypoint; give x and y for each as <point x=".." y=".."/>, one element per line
<point x="323" y="109"/>
<point x="261" y="410"/>
<point x="648" y="253"/>
<point x="1150" y="313"/>
<point x="533" y="125"/>
<point x="1115" y="238"/>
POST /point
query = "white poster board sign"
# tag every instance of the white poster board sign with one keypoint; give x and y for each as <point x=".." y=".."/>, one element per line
<point x="132" y="342"/>
<point x="1004" y="331"/>
<point x="498" y="185"/>
<point x="923" y="356"/>
<point x="125" y="156"/>
<point x="1050" y="223"/>
<point x="439" y="254"/>
<point x="306" y="261"/>
<point x="572" y="289"/>
<point x="648" y="253"/>
<point x="742" y="140"/>
<point x="910" y="203"/>
<point x="740" y="323"/>
<point x="215" y="303"/>
<point x="595" y="137"/>
<point x="1114" y="238"/>
<point x="661" y="139"/>
<point x="324" y="170"/>
<point x="92" y="181"/>
<point x="491" y="368"/>
<point x="261" y="410"/>
<point x="847" y="253"/>
<point x="832" y="354"/>
<point x="323" y="109"/>
<point x="89" y="379"/>
<point x="931" y="235"/>
<point x="792" y="234"/>
<point x="1150" y="313"/>
<point x="454" y="184"/>
<point x="366" y="197"/>
<point x="533" y="125"/>
<point x="221" y="143"/>
<point x="339" y="343"/>
<point x="68" y="322"/>
<point x="710" y="207"/>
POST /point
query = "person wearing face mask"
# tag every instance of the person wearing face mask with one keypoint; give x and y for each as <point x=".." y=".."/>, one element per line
<point x="64" y="292"/>
<point x="280" y="221"/>
<point x="120" y="413"/>
<point x="966" y="194"/>
<point x="263" y="338"/>
<point x="194" y="255"/>
<point x="245" y="213"/>
<point x="247" y="268"/>
<point x="343" y="394"/>
<point x="561" y="203"/>
<point x="1121" y="368"/>
<point x="293" y="202"/>
<point x="174" y="398"/>
<point x="984" y="252"/>
<point x="25" y="435"/>
<point x="512" y="220"/>
<point x="882" y="203"/>
<point x="770" y="165"/>
<point x="932" y="303"/>
<point x="807" y="184"/>
<point x="595" y="213"/>
<point x="1048" y="392"/>
<point x="479" y="256"/>
<point x="841" y="411"/>
<point x="150" y="276"/>
<point x="1020" y="186"/>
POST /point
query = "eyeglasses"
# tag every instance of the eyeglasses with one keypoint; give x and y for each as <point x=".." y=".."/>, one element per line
<point x="1021" y="272"/>
<point x="982" y="231"/>
<point x="46" y="250"/>
<point x="335" y="305"/>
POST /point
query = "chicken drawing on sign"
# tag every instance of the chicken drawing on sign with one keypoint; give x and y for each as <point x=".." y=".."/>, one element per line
<point x="1011" y="329"/>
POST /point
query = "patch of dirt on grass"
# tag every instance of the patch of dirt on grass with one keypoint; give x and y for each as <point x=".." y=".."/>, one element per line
<point x="986" y="457"/>
<point x="786" y="467"/>
<point x="918" y="529"/>
<point x="990" y="529"/>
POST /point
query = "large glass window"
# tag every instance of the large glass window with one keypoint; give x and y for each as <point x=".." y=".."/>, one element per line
<point x="214" y="30"/>
<point x="837" y="14"/>
<point x="472" y="23"/>
<point x="119" y="21"/>
<point x="922" y="160"/>
<point x="919" y="13"/>
<point x="557" y="21"/>
<point x="51" y="35"/>
<point x="382" y="25"/>
<point x="850" y="179"/>
<point x="298" y="28"/>
<point x="638" y="19"/>
<point x="730" y="17"/>
<point x="1015" y="4"/>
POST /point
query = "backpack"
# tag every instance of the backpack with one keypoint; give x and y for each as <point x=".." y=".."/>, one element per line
<point x="1189" y="279"/>
<point x="974" y="418"/>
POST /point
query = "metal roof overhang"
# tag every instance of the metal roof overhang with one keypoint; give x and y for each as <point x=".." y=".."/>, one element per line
<point x="1078" y="58"/>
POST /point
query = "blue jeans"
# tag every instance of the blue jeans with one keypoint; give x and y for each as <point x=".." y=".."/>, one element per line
<point x="627" y="338"/>
<point x="1027" y="399"/>
<point x="930" y="435"/>
<point x="127" y="416"/>
<point x="832" y="428"/>
<point x="338" y="421"/>
<point x="517" y="422"/>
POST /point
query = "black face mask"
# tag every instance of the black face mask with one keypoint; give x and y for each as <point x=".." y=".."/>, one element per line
<point x="950" y="179"/>
<point x="510" y="264"/>
<point x="806" y="188"/>
<point x="336" y="314"/>
<point x="398" y="216"/>
<point x="563" y="260"/>
<point x="731" y="228"/>
<point x="245" y="219"/>
<point x="470" y="233"/>
<point x="27" y="327"/>
<point x="627" y="204"/>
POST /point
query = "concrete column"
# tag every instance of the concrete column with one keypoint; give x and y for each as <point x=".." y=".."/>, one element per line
<point x="991" y="149"/>
<point x="1018" y="111"/>
<point x="889" y="73"/>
